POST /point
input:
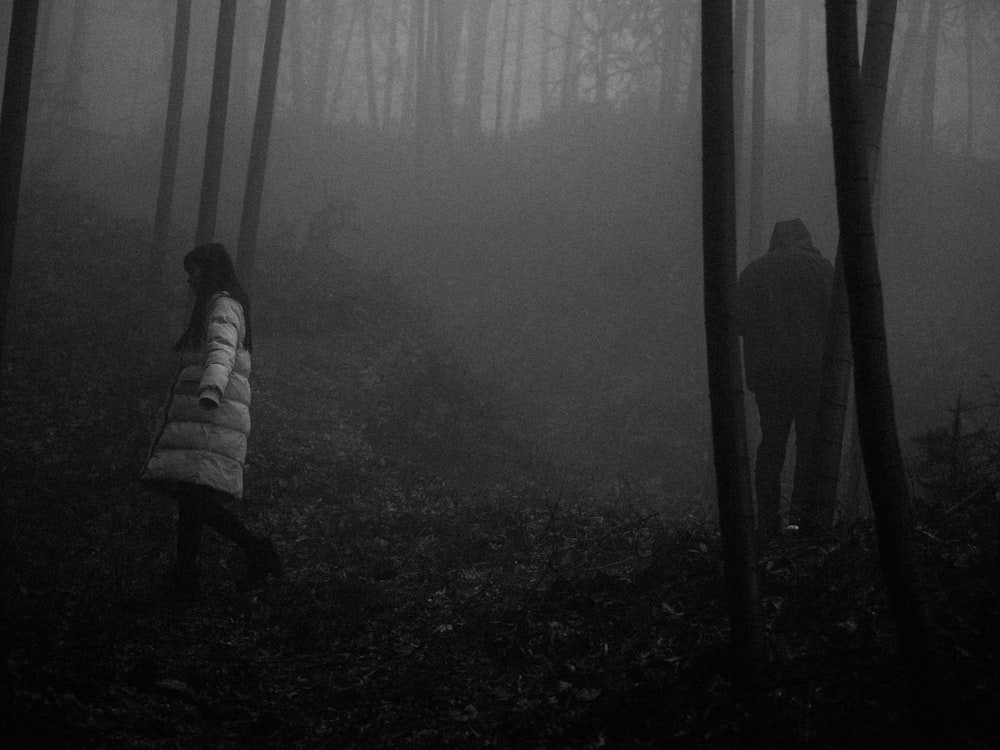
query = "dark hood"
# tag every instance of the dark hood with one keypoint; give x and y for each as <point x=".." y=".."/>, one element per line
<point x="791" y="235"/>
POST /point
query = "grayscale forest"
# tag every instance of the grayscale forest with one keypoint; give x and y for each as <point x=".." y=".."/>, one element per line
<point x="501" y="437"/>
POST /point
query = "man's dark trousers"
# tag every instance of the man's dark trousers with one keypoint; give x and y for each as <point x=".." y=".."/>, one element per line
<point x="789" y="396"/>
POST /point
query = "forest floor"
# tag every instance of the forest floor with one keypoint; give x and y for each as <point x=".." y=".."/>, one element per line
<point x="444" y="588"/>
<point x="417" y="612"/>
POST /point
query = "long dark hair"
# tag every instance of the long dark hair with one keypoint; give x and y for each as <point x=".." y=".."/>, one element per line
<point x="218" y="275"/>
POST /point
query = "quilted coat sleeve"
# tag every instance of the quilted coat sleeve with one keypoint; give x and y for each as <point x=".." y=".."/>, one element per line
<point x="222" y="339"/>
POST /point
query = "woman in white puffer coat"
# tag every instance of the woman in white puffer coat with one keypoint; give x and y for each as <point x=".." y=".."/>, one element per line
<point x="200" y="441"/>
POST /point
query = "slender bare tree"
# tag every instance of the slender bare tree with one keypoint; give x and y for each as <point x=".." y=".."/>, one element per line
<point x="215" y="139"/>
<point x="171" y="142"/>
<point x="758" y="125"/>
<point x="505" y="29"/>
<point x="391" y="66"/>
<point x="929" y="85"/>
<point x="324" y="57"/>
<point x="822" y="492"/>
<point x="571" y="55"/>
<point x="805" y="55"/>
<point x="476" y="68"/>
<point x="343" y="62"/>
<point x="368" y="33"/>
<point x="545" y="30"/>
<point x="518" y="80"/>
<point x="257" y="167"/>
<point x="13" y="126"/>
<point x="886" y="473"/>
<point x="905" y="64"/>
<point x="725" y="373"/>
<point x="971" y="21"/>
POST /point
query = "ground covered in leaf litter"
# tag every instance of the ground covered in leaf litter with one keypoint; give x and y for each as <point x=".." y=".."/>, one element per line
<point x="420" y="613"/>
<point x="444" y="587"/>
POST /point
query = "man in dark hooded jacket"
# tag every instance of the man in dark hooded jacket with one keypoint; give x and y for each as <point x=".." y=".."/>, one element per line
<point x="782" y="302"/>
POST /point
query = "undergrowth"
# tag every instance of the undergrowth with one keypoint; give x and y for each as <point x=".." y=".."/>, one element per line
<point x="446" y="586"/>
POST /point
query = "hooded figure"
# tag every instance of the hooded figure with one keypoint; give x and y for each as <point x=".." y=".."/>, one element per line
<point x="782" y="304"/>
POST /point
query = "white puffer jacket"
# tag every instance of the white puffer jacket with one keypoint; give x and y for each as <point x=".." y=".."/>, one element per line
<point x="207" y="446"/>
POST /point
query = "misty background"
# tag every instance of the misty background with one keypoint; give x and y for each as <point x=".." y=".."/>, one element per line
<point x="551" y="235"/>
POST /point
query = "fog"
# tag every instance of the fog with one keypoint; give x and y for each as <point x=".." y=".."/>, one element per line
<point x="559" y="253"/>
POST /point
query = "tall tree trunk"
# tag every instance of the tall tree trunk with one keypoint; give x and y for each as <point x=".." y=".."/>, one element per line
<point x="740" y="24"/>
<point x="805" y="53"/>
<point x="392" y="66"/>
<point x="667" y="52"/>
<point x="414" y="38"/>
<point x="755" y="242"/>
<point x="171" y="142"/>
<point x="239" y="97"/>
<point x="929" y="87"/>
<point x="571" y="67"/>
<point x="44" y="41"/>
<point x="74" y="100"/>
<point x="215" y="140"/>
<point x="875" y="409"/>
<point x="875" y="63"/>
<point x="543" y="63"/>
<point x="907" y="55"/>
<point x="694" y="73"/>
<point x="825" y="476"/>
<point x="971" y="20"/>
<point x="476" y="67"/>
<point x="498" y="124"/>
<point x="600" y="42"/>
<point x="422" y="65"/>
<point x="447" y="28"/>
<point x="725" y="374"/>
<point x="257" y="167"/>
<point x="300" y="103"/>
<point x="324" y="56"/>
<point x="515" y="92"/>
<point x="13" y="126"/>
<point x="368" y="32"/>
<point x="340" y="74"/>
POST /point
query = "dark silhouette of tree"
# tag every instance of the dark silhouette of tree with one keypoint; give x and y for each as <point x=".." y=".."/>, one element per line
<point x="758" y="125"/>
<point x="571" y="56"/>
<point x="805" y="54"/>
<point x="875" y="408"/>
<point x="215" y="140"/>
<point x="929" y="84"/>
<point x="516" y="84"/>
<point x="725" y="374"/>
<point x="414" y="59"/>
<point x="905" y="63"/>
<point x="392" y="65"/>
<point x="257" y="167"/>
<point x="475" y="68"/>
<point x="369" y="46"/>
<point x="740" y="23"/>
<point x="447" y="25"/>
<point x="296" y="62"/>
<point x="13" y="126"/>
<point x="321" y="79"/>
<point x="343" y="63"/>
<point x="74" y="98"/>
<point x="543" y="63"/>
<point x="171" y="141"/>
<point x="505" y="29"/>
<point x="824" y="477"/>
<point x="971" y="22"/>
